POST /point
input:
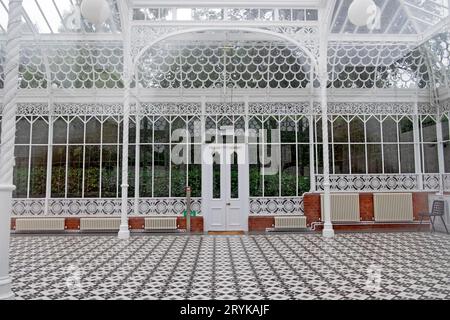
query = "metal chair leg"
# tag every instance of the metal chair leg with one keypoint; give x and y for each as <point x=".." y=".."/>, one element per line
<point x="420" y="224"/>
<point x="432" y="224"/>
<point x="442" y="218"/>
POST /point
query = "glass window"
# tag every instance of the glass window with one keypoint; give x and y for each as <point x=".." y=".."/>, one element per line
<point x="234" y="179"/>
<point x="60" y="131"/>
<point x="356" y="130"/>
<point x="216" y="176"/>
<point x="161" y="165"/>
<point x="389" y="130"/>
<point x="445" y="128"/>
<point x="110" y="130"/>
<point x="341" y="159"/>
<point x="76" y="131"/>
<point x="161" y="131"/>
<point x="109" y="171"/>
<point x="40" y="131"/>
<point x="75" y="172"/>
<point x="287" y="130"/>
<point x="374" y="158"/>
<point x="303" y="130"/>
<point x="58" y="172"/>
<point x="146" y="135"/>
<point x="430" y="158"/>
<point x="406" y="130"/>
<point x="21" y="154"/>
<point x="358" y="154"/>
<point x="288" y="170"/>
<point x="271" y="171"/>
<point x="407" y="160"/>
<point x="340" y="130"/>
<point x="390" y="158"/>
<point x="23" y="129"/>
<point x="145" y="170"/>
<point x="429" y="130"/>
<point x="93" y="130"/>
<point x="285" y="14"/>
<point x="447" y="156"/>
<point x="92" y="172"/>
<point x="373" y="130"/>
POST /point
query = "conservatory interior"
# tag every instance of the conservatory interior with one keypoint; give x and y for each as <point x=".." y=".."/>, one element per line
<point x="155" y="114"/>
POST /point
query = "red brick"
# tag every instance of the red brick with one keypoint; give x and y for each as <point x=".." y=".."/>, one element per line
<point x="72" y="223"/>
<point x="13" y="223"/>
<point x="311" y="205"/>
<point x="420" y="203"/>
<point x="136" y="223"/>
<point x="196" y="223"/>
<point x="260" y="223"/>
<point x="366" y="206"/>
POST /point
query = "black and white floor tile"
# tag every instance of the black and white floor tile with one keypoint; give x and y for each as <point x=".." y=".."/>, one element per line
<point x="276" y="266"/>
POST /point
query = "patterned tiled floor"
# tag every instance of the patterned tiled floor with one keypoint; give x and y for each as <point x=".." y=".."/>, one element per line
<point x="276" y="266"/>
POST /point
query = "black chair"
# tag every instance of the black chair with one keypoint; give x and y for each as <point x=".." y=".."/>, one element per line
<point x="438" y="210"/>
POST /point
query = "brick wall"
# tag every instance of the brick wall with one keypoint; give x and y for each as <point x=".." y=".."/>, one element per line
<point x="260" y="223"/>
<point x="311" y="207"/>
<point x="196" y="223"/>
<point x="366" y="206"/>
<point x="420" y="204"/>
<point x="72" y="223"/>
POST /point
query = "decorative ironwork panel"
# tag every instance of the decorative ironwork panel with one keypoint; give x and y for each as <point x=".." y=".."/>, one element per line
<point x="276" y="206"/>
<point x="225" y="108"/>
<point x="217" y="64"/>
<point x="269" y="108"/>
<point x="381" y="182"/>
<point x="431" y="182"/>
<point x="87" y="109"/>
<point x="167" y="206"/>
<point x="170" y="108"/>
<point x="28" y="207"/>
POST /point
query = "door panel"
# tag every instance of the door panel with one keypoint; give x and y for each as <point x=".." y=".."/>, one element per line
<point x="229" y="211"/>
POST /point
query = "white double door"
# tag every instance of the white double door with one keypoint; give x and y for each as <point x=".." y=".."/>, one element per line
<point x="225" y="189"/>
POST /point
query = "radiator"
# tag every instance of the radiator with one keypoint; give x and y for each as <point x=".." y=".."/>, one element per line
<point x="40" y="224"/>
<point x="393" y="207"/>
<point x="99" y="224"/>
<point x="296" y="222"/>
<point x="343" y="207"/>
<point x="161" y="223"/>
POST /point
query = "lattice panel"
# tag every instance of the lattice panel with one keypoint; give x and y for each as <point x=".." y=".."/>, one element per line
<point x="438" y="51"/>
<point x="167" y="206"/>
<point x="276" y="206"/>
<point x="75" y="66"/>
<point x="375" y="66"/>
<point x="383" y="182"/>
<point x="251" y="65"/>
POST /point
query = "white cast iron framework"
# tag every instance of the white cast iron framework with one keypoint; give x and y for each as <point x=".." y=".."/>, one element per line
<point x="89" y="112"/>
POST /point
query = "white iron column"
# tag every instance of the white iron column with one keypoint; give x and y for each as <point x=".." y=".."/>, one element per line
<point x="124" y="232"/>
<point x="417" y="148"/>
<point x="327" y="231"/>
<point x="8" y="135"/>
<point x="440" y="146"/>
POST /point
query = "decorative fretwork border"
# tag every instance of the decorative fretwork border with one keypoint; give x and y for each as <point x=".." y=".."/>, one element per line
<point x="381" y="182"/>
<point x="286" y="108"/>
<point x="145" y="206"/>
<point x="276" y="206"/>
<point x="225" y="108"/>
<point x="170" y="109"/>
<point x="382" y="108"/>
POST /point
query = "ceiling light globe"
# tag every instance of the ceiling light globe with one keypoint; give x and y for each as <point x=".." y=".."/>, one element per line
<point x="362" y="12"/>
<point x="95" y="11"/>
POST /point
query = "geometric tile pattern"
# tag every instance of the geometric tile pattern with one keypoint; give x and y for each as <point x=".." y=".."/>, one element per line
<point x="414" y="265"/>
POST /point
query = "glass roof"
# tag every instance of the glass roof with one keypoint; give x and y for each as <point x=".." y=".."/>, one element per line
<point x="58" y="16"/>
<point x="396" y="16"/>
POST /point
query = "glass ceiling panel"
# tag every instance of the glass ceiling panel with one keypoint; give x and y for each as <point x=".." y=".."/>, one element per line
<point x="396" y="16"/>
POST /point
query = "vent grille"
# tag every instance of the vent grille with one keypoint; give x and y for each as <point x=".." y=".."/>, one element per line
<point x="41" y="224"/>
<point x="157" y="223"/>
<point x="343" y="207"/>
<point x="393" y="207"/>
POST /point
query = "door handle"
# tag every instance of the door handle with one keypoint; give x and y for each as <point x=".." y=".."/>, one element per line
<point x="228" y="204"/>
